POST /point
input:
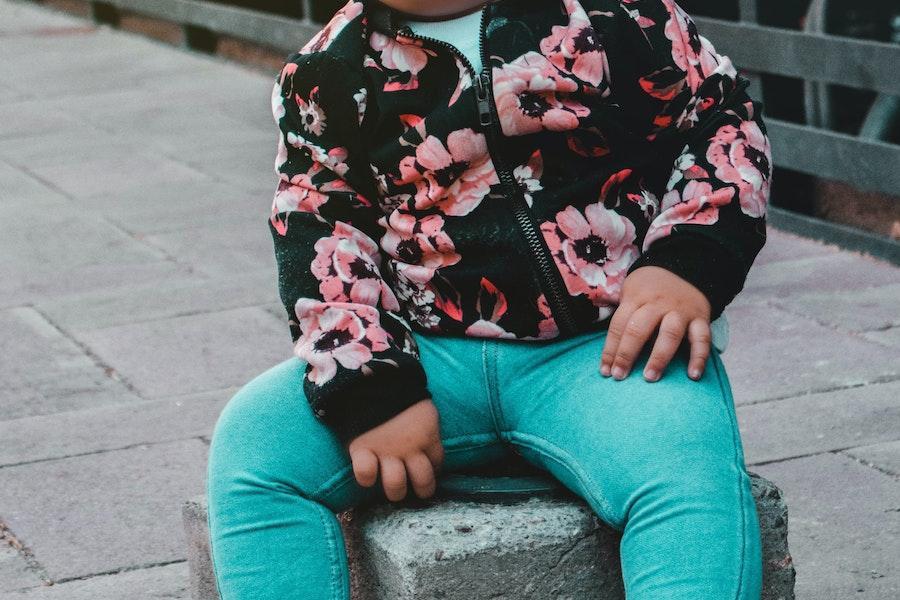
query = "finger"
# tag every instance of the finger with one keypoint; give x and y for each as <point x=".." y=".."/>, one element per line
<point x="638" y="330"/>
<point x="393" y="477"/>
<point x="435" y="453"/>
<point x="614" y="333"/>
<point x="668" y="340"/>
<point x="421" y="474"/>
<point x="365" y="466"/>
<point x="700" y="338"/>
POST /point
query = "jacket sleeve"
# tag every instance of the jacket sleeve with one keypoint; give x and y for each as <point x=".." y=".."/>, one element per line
<point x="361" y="362"/>
<point x="709" y="223"/>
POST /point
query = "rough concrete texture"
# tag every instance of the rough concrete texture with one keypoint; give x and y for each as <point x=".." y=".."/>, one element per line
<point x="539" y="548"/>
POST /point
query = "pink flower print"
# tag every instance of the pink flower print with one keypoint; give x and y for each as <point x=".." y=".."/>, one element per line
<point x="588" y="142"/>
<point x="464" y="82"/>
<point x="528" y="176"/>
<point x="547" y="327"/>
<point x="593" y="250"/>
<point x="455" y="178"/>
<point x="420" y="245"/>
<point x="491" y="305"/>
<point x="361" y="97"/>
<point x="691" y="52"/>
<point x="327" y="34"/>
<point x="403" y="54"/>
<point x="420" y="300"/>
<point x="576" y="49"/>
<point x="340" y="332"/>
<point x="742" y="156"/>
<point x="686" y="167"/>
<point x="531" y="95"/>
<point x="347" y="267"/>
<point x="312" y="117"/>
<point x="698" y="204"/>
<point x="334" y="159"/>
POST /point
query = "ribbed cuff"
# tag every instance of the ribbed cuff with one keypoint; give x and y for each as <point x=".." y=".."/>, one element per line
<point x="362" y="402"/>
<point x="702" y="262"/>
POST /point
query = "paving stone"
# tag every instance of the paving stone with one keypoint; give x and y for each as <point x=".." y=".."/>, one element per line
<point x="14" y="571"/>
<point x="111" y="427"/>
<point x="111" y="174"/>
<point x="774" y="354"/>
<point x="172" y="297"/>
<point x="107" y="511"/>
<point x="50" y="253"/>
<point x="886" y="337"/>
<point x="223" y="249"/>
<point x="175" y="206"/>
<point x="884" y="456"/>
<point x="45" y="372"/>
<point x="834" y="272"/>
<point x="851" y="310"/>
<point x="168" y="582"/>
<point x="17" y="17"/>
<point x="21" y="191"/>
<point x="844" y="527"/>
<point x="782" y="245"/>
<point x="820" y="422"/>
<point x="194" y="353"/>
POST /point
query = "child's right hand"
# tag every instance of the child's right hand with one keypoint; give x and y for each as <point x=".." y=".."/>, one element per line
<point x="409" y="442"/>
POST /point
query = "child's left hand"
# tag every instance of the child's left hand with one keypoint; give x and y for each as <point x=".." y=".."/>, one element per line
<point x="653" y="296"/>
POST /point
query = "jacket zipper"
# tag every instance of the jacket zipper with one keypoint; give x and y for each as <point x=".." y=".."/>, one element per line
<point x="488" y="120"/>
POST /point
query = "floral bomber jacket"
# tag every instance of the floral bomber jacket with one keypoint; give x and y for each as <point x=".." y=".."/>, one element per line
<point x="415" y="194"/>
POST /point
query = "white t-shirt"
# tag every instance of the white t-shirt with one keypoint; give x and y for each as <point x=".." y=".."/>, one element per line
<point x="462" y="32"/>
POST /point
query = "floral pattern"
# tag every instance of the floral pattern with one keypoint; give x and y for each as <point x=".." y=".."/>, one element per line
<point x="593" y="250"/>
<point x="390" y="214"/>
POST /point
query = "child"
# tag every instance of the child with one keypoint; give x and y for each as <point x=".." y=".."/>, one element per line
<point x="489" y="217"/>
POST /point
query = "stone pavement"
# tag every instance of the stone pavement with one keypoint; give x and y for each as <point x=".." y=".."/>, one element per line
<point x="138" y="292"/>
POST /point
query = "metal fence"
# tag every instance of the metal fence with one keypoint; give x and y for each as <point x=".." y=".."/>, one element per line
<point x="818" y="58"/>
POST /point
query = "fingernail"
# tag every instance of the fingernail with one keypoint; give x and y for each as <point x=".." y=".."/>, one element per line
<point x="618" y="372"/>
<point x="604" y="370"/>
<point x="651" y="374"/>
<point x="694" y="373"/>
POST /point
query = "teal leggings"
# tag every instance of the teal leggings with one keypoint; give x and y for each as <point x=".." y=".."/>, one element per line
<point x="660" y="462"/>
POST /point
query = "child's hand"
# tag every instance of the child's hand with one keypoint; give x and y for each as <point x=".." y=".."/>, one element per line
<point x="651" y="297"/>
<point x="409" y="442"/>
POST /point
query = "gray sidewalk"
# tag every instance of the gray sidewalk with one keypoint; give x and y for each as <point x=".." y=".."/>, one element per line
<point x="138" y="292"/>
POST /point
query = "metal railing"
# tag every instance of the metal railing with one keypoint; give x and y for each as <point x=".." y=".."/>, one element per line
<point x="866" y="163"/>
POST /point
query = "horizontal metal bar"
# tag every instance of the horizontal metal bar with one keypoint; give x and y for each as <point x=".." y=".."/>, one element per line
<point x="276" y="32"/>
<point x="844" y="236"/>
<point x="846" y="61"/>
<point x="867" y="164"/>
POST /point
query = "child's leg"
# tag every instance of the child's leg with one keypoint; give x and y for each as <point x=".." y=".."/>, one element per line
<point x="276" y="476"/>
<point x="662" y="462"/>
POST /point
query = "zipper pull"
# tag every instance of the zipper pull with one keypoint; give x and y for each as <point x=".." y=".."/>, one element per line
<point x="483" y="86"/>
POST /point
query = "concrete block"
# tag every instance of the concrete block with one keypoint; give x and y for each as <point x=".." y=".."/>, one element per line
<point x="548" y="546"/>
<point x="845" y="526"/>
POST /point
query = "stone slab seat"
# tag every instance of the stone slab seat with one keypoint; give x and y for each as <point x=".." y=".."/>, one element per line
<point x="506" y="532"/>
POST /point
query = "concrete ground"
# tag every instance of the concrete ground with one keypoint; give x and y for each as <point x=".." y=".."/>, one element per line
<point x="138" y="292"/>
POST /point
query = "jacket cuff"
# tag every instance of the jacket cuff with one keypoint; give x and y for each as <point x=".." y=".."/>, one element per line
<point x="701" y="262"/>
<point x="361" y="402"/>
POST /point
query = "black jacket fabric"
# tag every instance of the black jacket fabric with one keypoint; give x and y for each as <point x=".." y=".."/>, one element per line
<point x="415" y="194"/>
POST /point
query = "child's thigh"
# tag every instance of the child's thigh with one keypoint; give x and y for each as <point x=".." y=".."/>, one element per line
<point x="268" y="437"/>
<point x="613" y="438"/>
